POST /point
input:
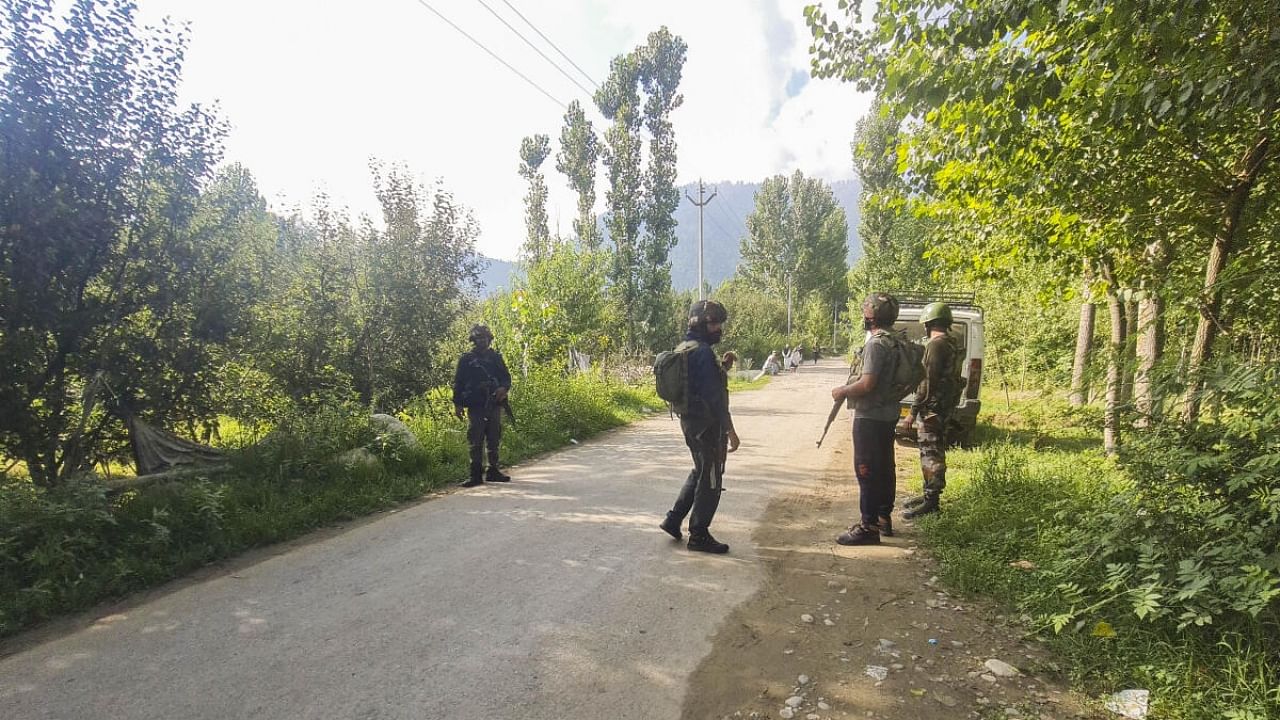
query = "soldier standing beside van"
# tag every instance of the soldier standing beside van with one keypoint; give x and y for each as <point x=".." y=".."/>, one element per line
<point x="935" y="399"/>
<point x="875" y="414"/>
<point x="481" y="385"/>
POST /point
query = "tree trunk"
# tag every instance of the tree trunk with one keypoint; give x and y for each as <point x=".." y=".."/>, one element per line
<point x="1115" y="375"/>
<point x="1149" y="349"/>
<point x="1084" y="345"/>
<point x="1127" y="363"/>
<point x="1247" y="170"/>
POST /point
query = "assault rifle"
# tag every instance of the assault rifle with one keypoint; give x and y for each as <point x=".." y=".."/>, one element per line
<point x="835" y="410"/>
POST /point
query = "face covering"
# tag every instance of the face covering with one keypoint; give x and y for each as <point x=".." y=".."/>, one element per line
<point x="714" y="337"/>
<point x="866" y="323"/>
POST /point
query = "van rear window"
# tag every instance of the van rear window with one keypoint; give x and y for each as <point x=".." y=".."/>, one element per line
<point x="915" y="332"/>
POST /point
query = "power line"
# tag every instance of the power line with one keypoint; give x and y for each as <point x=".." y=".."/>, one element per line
<point x="536" y="49"/>
<point x="724" y="215"/>
<point x="492" y="54"/>
<point x="585" y="74"/>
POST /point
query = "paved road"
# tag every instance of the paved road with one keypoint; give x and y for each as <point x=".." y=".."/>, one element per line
<point x="553" y="597"/>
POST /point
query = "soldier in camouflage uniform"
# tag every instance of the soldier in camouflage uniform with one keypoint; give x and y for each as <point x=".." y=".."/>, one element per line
<point x="935" y="399"/>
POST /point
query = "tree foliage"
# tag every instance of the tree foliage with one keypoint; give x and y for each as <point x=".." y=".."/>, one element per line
<point x="579" y="151"/>
<point x="100" y="169"/>
<point x="533" y="152"/>
<point x="797" y="240"/>
<point x="1135" y="135"/>
<point x="642" y="197"/>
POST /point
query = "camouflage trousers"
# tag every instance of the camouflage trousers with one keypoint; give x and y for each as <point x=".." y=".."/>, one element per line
<point x="931" y="435"/>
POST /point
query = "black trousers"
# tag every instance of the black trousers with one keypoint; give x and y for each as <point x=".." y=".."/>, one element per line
<point x="485" y="428"/>
<point x="700" y="495"/>
<point x="874" y="467"/>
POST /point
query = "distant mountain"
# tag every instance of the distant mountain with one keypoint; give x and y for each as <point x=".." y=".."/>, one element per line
<point x="496" y="275"/>
<point x="724" y="226"/>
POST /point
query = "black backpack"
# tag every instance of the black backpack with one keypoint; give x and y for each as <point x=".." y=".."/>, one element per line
<point x="671" y="376"/>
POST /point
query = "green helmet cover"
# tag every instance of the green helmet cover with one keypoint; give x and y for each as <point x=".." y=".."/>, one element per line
<point x="936" y="312"/>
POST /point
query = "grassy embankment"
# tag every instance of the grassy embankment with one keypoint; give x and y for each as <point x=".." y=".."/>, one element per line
<point x="67" y="549"/>
<point x="1103" y="562"/>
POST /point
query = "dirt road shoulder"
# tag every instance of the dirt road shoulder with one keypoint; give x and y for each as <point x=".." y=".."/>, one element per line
<point x="865" y="632"/>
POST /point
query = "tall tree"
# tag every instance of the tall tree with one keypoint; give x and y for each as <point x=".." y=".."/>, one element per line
<point x="533" y="152"/>
<point x="421" y="271"/>
<point x="579" y="151"/>
<point x="100" y="169"/>
<point x="797" y="240"/>
<point x="619" y="101"/>
<point x="1136" y="118"/>
<point x="661" y="66"/>
<point x="641" y="273"/>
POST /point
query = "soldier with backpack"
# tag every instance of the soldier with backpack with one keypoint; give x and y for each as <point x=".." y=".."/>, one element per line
<point x="693" y="381"/>
<point x="936" y="397"/>
<point x="883" y="379"/>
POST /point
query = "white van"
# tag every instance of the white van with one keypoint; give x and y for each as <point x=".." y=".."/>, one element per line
<point x="968" y="330"/>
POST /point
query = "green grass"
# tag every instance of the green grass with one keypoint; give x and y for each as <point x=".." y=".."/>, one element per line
<point x="1024" y="493"/>
<point x="66" y="549"/>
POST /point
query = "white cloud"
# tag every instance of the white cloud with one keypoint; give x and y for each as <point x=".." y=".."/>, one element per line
<point x="313" y="89"/>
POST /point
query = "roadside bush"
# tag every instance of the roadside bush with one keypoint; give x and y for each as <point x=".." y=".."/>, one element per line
<point x="66" y="548"/>
<point x="1160" y="570"/>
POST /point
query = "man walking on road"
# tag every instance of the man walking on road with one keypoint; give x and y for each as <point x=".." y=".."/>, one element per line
<point x="875" y="412"/>
<point x="481" y="385"/>
<point x="708" y="431"/>
<point x="935" y="399"/>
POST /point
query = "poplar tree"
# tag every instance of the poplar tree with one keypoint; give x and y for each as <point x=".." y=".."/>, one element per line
<point x="579" y="151"/>
<point x="533" y="152"/>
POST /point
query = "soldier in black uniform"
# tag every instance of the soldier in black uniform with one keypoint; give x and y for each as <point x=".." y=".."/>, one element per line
<point x="481" y="385"/>
<point x="708" y="432"/>
<point x="935" y="399"/>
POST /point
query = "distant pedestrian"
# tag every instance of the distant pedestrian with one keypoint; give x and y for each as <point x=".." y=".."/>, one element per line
<point x="481" y="386"/>
<point x="771" y="366"/>
<point x="708" y="431"/>
<point x="797" y="357"/>
<point x="875" y="413"/>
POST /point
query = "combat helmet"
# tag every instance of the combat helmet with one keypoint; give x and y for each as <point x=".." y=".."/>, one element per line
<point x="479" y="331"/>
<point x="706" y="311"/>
<point x="936" y="312"/>
<point x="884" y="308"/>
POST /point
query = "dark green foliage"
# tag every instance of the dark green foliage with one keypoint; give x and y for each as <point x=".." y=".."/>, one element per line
<point x="797" y="240"/>
<point x="757" y="321"/>
<point x="579" y="150"/>
<point x="100" y="264"/>
<point x="642" y="199"/>
<point x="1159" y="571"/>
<point x="537" y="243"/>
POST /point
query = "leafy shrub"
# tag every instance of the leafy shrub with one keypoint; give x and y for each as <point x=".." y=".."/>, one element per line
<point x="1159" y="570"/>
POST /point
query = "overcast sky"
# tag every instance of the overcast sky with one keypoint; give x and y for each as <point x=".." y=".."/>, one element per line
<point x="314" y="89"/>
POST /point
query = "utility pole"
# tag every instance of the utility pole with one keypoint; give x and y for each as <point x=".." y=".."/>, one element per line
<point x="788" y="307"/>
<point x="835" y="323"/>
<point x="700" y="203"/>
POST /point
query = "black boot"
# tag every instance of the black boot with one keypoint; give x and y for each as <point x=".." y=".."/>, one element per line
<point x="928" y="507"/>
<point x="913" y="502"/>
<point x="707" y="544"/>
<point x="496" y="475"/>
<point x="860" y="535"/>
<point x="473" y="481"/>
<point x="885" y="525"/>
<point x="671" y="526"/>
